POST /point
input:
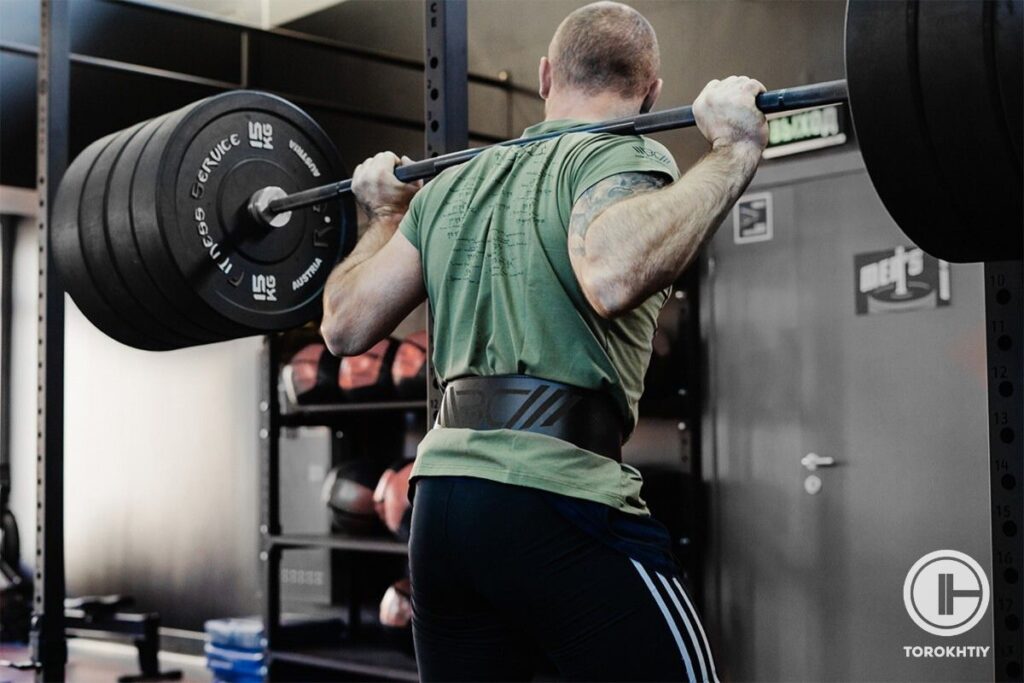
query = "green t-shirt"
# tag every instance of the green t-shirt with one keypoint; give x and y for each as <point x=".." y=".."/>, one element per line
<point x="492" y="235"/>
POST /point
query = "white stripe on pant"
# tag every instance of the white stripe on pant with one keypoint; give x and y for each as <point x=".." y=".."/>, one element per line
<point x="688" y="617"/>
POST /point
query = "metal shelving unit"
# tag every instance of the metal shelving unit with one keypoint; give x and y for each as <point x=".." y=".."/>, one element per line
<point x="328" y="412"/>
<point x="359" y="544"/>
<point x="360" y="652"/>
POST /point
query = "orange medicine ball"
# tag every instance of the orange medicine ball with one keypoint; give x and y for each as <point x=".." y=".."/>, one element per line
<point x="300" y="373"/>
<point x="309" y="376"/>
<point x="396" y="605"/>
<point x="409" y="372"/>
<point x="368" y="375"/>
<point x="391" y="498"/>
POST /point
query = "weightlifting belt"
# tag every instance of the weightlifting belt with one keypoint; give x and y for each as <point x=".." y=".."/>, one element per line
<point x="585" y="418"/>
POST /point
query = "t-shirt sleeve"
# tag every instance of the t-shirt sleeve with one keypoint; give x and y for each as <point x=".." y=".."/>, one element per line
<point x="410" y="225"/>
<point x="603" y="156"/>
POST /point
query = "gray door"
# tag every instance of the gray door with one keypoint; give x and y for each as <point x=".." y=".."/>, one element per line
<point x="806" y="582"/>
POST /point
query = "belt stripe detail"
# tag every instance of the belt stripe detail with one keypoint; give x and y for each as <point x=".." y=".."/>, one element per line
<point x="543" y="408"/>
<point x="704" y="637"/>
<point x="526" y="405"/>
<point x="689" y="627"/>
<point x="568" y="403"/>
<point x="668" y="617"/>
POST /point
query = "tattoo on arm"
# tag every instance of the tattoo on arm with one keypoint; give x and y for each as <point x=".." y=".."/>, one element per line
<point x="603" y="194"/>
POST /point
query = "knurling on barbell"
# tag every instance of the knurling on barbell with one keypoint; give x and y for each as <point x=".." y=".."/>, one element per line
<point x="264" y="209"/>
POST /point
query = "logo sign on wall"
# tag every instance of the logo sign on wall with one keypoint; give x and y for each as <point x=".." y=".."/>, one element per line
<point x="806" y="130"/>
<point x="946" y="593"/>
<point x="900" y="279"/>
<point x="752" y="218"/>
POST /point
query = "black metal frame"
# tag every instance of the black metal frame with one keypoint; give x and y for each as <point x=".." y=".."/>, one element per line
<point x="446" y="114"/>
<point x="270" y="490"/>
<point x="446" y="129"/>
<point x="49" y="648"/>
<point x="7" y="233"/>
<point x="1004" y="333"/>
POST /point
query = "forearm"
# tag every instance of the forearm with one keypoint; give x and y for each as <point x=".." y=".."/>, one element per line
<point x="344" y="312"/>
<point x="642" y="244"/>
<point x="378" y="231"/>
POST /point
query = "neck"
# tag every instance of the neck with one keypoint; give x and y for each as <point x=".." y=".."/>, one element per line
<point x="584" y="107"/>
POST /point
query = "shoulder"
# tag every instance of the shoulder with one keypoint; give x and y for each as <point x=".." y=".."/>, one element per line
<point x="629" y="151"/>
<point x="654" y="150"/>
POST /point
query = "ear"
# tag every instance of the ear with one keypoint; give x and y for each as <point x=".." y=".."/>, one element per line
<point x="544" y="77"/>
<point x="651" y="97"/>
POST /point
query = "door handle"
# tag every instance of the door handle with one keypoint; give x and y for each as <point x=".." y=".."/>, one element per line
<point x="813" y="461"/>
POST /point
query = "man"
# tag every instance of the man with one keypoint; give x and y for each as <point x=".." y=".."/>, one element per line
<point x="545" y="267"/>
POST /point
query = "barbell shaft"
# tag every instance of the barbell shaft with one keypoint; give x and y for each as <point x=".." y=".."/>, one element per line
<point x="771" y="102"/>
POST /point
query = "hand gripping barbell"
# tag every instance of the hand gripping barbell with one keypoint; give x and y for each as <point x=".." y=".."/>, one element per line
<point x="214" y="221"/>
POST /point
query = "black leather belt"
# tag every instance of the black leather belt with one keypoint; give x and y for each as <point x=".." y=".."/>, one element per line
<point x="585" y="418"/>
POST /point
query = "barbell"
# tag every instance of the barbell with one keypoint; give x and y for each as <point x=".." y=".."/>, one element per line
<point x="217" y="221"/>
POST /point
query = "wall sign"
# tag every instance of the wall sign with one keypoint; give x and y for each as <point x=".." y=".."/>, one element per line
<point x="752" y="218"/>
<point x="805" y="130"/>
<point x="900" y="279"/>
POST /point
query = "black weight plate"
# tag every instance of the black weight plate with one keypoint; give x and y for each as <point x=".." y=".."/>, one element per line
<point x="961" y="104"/>
<point x="215" y="157"/>
<point x="125" y="252"/>
<point x="66" y="251"/>
<point x="150" y="240"/>
<point x="69" y="254"/>
<point x="885" y="103"/>
<point x="144" y="286"/>
<point x="279" y="146"/>
<point x="98" y="250"/>
<point x="1008" y="50"/>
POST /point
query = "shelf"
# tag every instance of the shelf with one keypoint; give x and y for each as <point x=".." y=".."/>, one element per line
<point x="313" y="414"/>
<point x="365" y="544"/>
<point x="374" y="660"/>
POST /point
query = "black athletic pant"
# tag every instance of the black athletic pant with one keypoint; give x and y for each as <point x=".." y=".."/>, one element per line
<point x="498" y="574"/>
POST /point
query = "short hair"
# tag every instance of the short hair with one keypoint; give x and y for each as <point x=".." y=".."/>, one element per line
<point x="605" y="46"/>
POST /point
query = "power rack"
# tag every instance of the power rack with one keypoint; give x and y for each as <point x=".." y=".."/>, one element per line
<point x="445" y="22"/>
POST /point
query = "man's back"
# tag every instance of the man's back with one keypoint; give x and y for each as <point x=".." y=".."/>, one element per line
<point x="493" y="237"/>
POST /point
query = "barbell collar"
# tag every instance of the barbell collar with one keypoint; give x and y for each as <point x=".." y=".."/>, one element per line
<point x="259" y="205"/>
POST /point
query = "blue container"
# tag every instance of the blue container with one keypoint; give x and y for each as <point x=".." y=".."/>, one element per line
<point x="234" y="650"/>
<point x="243" y="634"/>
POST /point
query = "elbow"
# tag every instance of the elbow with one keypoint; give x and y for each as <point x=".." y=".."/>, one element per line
<point x="609" y="294"/>
<point x="334" y="337"/>
<point x="340" y="341"/>
<point x="614" y="292"/>
<point x="341" y="333"/>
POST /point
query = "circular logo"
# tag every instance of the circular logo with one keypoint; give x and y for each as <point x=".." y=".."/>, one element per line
<point x="946" y="593"/>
